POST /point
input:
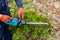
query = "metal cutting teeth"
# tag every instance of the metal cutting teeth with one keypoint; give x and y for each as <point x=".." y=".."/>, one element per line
<point x="34" y="23"/>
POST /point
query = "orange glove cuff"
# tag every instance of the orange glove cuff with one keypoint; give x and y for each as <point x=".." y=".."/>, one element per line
<point x="2" y="17"/>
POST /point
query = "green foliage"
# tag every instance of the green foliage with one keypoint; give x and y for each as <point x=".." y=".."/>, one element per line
<point x="27" y="32"/>
<point x="32" y="32"/>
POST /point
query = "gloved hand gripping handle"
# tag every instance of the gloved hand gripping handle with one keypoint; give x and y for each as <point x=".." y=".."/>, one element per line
<point x="15" y="22"/>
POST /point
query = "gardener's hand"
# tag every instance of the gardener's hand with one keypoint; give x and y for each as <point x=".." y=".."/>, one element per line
<point x="21" y="13"/>
<point x="5" y="18"/>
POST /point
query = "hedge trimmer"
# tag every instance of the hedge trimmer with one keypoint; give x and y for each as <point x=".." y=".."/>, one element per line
<point x="19" y="22"/>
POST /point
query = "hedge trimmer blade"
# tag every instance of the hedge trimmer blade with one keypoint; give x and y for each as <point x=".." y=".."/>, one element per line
<point x="34" y="23"/>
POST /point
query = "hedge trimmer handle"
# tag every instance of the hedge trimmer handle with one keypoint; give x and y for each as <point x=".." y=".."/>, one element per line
<point x="19" y="22"/>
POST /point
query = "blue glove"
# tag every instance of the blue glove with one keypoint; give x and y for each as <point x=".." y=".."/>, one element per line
<point x="14" y="22"/>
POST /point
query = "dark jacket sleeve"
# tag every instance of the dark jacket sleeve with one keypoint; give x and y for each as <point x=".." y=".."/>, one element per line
<point x="19" y="3"/>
